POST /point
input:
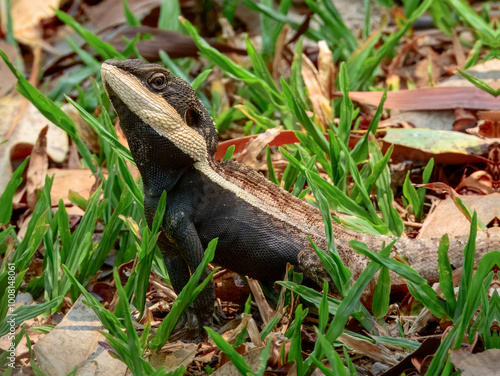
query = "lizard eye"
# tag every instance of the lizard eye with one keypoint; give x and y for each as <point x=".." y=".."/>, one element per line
<point x="158" y="81"/>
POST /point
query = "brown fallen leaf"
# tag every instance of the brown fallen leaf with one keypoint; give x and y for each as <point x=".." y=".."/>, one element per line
<point x="252" y="358"/>
<point x="396" y="68"/>
<point x="438" y="222"/>
<point x="280" y="345"/>
<point x="488" y="124"/>
<point x="108" y="14"/>
<point x="249" y="323"/>
<point x="420" y="144"/>
<point x="287" y="369"/>
<point x="8" y="79"/>
<point x="326" y="69"/>
<point x="319" y="100"/>
<point x="374" y="351"/>
<point x="458" y="50"/>
<point x="478" y="183"/>
<point x="487" y="73"/>
<point x="283" y="138"/>
<point x="85" y="131"/>
<point x="254" y="146"/>
<point x="173" y="355"/>
<point x="447" y="117"/>
<point x="26" y="17"/>
<point x="37" y="169"/>
<point x="227" y="290"/>
<point x="433" y="98"/>
<point x="79" y="180"/>
<point x="421" y="74"/>
<point x="463" y="119"/>
<point x="24" y="135"/>
<point x="422" y="364"/>
<point x="105" y="291"/>
<point x="175" y="44"/>
<point x="278" y="62"/>
<point x="483" y="363"/>
<point x="76" y="340"/>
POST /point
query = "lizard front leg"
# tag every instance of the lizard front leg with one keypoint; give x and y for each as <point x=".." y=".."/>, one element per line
<point x="182" y="258"/>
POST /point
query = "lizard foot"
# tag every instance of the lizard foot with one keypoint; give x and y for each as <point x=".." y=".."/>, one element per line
<point x="189" y="328"/>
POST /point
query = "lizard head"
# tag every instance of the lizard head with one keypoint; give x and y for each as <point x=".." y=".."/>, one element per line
<point x="159" y="113"/>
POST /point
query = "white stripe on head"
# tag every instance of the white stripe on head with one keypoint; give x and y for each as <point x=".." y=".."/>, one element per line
<point x="155" y="111"/>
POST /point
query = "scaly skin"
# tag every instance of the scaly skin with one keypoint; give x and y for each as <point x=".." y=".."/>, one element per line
<point x="260" y="226"/>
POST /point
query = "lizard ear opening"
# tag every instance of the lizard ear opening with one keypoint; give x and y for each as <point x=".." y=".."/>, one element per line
<point x="191" y="117"/>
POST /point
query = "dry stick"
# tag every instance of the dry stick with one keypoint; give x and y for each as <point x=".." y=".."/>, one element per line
<point x="265" y="310"/>
<point x="413" y="224"/>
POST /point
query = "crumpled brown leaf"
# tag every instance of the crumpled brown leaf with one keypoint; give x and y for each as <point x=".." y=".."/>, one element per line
<point x="483" y="363"/>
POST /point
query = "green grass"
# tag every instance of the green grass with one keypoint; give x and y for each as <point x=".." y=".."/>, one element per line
<point x="358" y="183"/>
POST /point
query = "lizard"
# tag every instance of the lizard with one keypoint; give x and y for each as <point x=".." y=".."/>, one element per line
<point x="260" y="226"/>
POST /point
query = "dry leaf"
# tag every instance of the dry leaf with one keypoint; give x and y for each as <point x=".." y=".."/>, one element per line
<point x="319" y="99"/>
<point x="458" y="50"/>
<point x="421" y="74"/>
<point x="374" y="351"/>
<point x="439" y="120"/>
<point x="37" y="168"/>
<point x="478" y="183"/>
<point x="75" y="341"/>
<point x="326" y="69"/>
<point x="79" y="181"/>
<point x="8" y="79"/>
<point x="24" y="135"/>
<point x="488" y="124"/>
<point x="26" y="16"/>
<point x="278" y="52"/>
<point x="85" y="131"/>
<point x="463" y="119"/>
<point x="248" y="322"/>
<point x="438" y="222"/>
<point x="429" y="346"/>
<point x="489" y="75"/>
<point x="227" y="290"/>
<point x="483" y="363"/>
<point x="173" y="355"/>
<point x="284" y="138"/>
<point x="252" y="149"/>
<point x="108" y="14"/>
<point x="433" y="98"/>
<point x="175" y="44"/>
<point x="252" y="358"/>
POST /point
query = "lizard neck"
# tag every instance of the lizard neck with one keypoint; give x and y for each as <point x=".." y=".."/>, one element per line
<point x="159" y="161"/>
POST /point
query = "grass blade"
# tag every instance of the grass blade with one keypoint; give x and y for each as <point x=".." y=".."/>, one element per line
<point x="23" y="313"/>
<point x="8" y="193"/>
